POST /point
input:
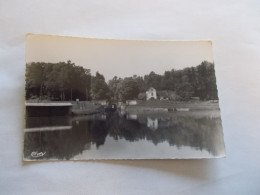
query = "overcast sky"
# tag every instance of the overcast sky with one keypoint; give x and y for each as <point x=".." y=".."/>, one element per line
<point x="120" y="58"/>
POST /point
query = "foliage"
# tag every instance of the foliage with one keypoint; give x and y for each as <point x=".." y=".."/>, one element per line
<point x="99" y="88"/>
<point x="66" y="81"/>
<point x="57" y="81"/>
<point x="197" y="81"/>
<point x="129" y="89"/>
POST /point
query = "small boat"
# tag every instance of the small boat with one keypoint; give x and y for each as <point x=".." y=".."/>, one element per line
<point x="110" y="108"/>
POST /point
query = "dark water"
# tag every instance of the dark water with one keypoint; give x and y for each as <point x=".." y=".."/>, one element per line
<point x="116" y="136"/>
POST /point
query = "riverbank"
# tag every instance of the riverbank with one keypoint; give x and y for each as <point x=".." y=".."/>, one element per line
<point x="90" y="107"/>
<point x="76" y="107"/>
<point x="166" y="106"/>
<point x="86" y="108"/>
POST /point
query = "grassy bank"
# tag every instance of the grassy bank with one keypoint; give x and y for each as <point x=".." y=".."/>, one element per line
<point x="163" y="105"/>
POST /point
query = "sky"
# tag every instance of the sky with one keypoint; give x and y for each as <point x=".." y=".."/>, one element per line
<point x="121" y="58"/>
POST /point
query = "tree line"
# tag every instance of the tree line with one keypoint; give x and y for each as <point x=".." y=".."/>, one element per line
<point x="199" y="81"/>
<point x="57" y="81"/>
<point x="67" y="81"/>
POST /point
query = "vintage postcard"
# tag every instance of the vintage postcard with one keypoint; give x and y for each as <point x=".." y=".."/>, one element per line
<point x="91" y="98"/>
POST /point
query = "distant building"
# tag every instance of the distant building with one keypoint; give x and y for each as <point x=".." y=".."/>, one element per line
<point x="164" y="98"/>
<point x="131" y="102"/>
<point x="166" y="95"/>
<point x="151" y="94"/>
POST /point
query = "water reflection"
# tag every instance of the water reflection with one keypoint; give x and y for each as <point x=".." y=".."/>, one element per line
<point x="152" y="123"/>
<point x="199" y="131"/>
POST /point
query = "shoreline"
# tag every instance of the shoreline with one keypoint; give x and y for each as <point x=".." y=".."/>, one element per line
<point x="90" y="107"/>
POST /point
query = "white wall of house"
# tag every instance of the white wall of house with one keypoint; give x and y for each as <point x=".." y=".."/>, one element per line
<point x="151" y="93"/>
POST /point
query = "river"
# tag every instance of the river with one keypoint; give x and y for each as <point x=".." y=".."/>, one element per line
<point x="193" y="134"/>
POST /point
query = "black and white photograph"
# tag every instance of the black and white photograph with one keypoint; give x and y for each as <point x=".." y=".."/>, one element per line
<point x="88" y="99"/>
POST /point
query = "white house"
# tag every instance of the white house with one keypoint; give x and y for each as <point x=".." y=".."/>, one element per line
<point x="151" y="94"/>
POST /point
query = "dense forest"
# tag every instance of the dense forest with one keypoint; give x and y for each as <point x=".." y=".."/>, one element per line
<point x="66" y="81"/>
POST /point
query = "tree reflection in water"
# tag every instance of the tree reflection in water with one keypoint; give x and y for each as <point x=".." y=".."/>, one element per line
<point x="192" y="129"/>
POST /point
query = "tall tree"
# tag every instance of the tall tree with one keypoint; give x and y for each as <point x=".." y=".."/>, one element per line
<point x="35" y="77"/>
<point x="114" y="86"/>
<point x="153" y="80"/>
<point x="99" y="88"/>
<point x="129" y="89"/>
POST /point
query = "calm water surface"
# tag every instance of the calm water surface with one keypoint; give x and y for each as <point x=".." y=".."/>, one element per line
<point x="195" y="134"/>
